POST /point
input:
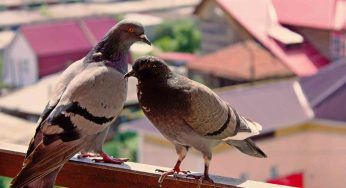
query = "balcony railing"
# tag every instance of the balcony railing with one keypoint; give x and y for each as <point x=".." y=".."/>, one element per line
<point x="85" y="173"/>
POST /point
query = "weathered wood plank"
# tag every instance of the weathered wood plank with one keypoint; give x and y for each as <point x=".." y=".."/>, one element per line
<point x="85" y="173"/>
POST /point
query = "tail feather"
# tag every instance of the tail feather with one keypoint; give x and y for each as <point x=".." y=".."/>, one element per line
<point x="42" y="164"/>
<point x="44" y="182"/>
<point x="248" y="147"/>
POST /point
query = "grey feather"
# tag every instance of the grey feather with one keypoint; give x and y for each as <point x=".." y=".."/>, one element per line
<point x="188" y="113"/>
<point x="89" y="95"/>
<point x="248" y="147"/>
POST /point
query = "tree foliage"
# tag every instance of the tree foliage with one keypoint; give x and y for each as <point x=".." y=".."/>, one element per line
<point x="178" y="36"/>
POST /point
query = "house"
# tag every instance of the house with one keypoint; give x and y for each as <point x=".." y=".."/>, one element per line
<point x="326" y="91"/>
<point x="323" y="24"/>
<point x="257" y="21"/>
<point x="39" y="50"/>
<point x="242" y="62"/>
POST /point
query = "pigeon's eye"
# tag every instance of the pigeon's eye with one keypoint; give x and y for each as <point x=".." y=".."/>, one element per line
<point x="130" y="30"/>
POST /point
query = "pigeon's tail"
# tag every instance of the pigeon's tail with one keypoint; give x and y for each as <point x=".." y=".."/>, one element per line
<point x="248" y="147"/>
<point x="42" y="165"/>
<point x="44" y="182"/>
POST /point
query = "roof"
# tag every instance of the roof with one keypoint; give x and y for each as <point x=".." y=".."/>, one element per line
<point x="320" y="86"/>
<point x="237" y="60"/>
<point x="69" y="36"/>
<point x="72" y="40"/>
<point x="321" y="14"/>
<point x="274" y="105"/>
<point x="326" y="91"/>
<point x="14" y="130"/>
<point x="99" y="26"/>
<point x="258" y="18"/>
<point x="5" y="38"/>
<point x="41" y="93"/>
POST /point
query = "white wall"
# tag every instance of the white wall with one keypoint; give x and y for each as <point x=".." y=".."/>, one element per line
<point x="20" y="63"/>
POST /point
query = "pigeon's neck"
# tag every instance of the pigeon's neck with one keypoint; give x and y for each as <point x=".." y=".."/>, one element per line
<point x="113" y="52"/>
<point x="119" y="62"/>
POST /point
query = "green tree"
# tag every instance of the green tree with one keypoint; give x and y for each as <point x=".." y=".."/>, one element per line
<point x="5" y="182"/>
<point x="179" y="36"/>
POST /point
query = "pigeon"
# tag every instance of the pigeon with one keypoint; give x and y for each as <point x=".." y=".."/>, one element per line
<point x="88" y="97"/>
<point x="190" y="114"/>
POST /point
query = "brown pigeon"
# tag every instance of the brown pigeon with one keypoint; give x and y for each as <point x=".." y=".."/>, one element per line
<point x="87" y="99"/>
<point x="190" y="114"/>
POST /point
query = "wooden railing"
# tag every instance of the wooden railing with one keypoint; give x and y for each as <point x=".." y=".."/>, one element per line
<point x="85" y="173"/>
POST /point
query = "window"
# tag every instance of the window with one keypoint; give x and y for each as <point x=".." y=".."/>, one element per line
<point x="24" y="65"/>
<point x="23" y="71"/>
<point x="338" y="45"/>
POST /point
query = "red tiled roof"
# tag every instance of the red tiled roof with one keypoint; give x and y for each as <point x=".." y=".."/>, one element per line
<point x="58" y="43"/>
<point x="255" y="18"/>
<point x="234" y="62"/>
<point x="323" y="14"/>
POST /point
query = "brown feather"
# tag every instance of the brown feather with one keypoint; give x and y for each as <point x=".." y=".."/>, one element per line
<point x="45" y="159"/>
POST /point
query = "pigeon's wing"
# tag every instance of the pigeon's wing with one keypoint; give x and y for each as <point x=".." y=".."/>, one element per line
<point x="212" y="117"/>
<point x="59" y="89"/>
<point x="64" y="132"/>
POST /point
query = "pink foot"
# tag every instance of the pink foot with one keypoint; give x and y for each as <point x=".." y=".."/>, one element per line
<point x="86" y="155"/>
<point x="170" y="172"/>
<point x="109" y="159"/>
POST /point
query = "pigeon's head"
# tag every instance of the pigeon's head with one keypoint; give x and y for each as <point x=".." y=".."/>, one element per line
<point x="149" y="67"/>
<point x="129" y="32"/>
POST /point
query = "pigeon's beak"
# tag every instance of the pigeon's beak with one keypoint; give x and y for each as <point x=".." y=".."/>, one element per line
<point x="144" y="39"/>
<point x="129" y="74"/>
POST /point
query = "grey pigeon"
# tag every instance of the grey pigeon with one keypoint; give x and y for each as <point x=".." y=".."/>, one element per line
<point x="88" y="97"/>
<point x="190" y="114"/>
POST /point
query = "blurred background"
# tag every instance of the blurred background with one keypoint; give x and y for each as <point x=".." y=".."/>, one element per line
<point x="279" y="62"/>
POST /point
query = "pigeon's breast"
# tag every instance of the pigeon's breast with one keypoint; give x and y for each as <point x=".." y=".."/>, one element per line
<point x="106" y="93"/>
<point x="162" y="100"/>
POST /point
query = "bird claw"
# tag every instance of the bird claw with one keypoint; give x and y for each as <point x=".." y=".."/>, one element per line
<point x="176" y="171"/>
<point x="109" y="159"/>
<point x="164" y="175"/>
<point x="112" y="160"/>
<point x="173" y="172"/>
<point x="86" y="155"/>
<point x="200" y="178"/>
